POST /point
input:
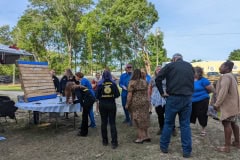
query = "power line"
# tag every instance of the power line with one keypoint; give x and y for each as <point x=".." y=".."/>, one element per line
<point x="202" y="34"/>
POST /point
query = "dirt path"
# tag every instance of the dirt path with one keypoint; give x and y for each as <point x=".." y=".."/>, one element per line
<point x="44" y="142"/>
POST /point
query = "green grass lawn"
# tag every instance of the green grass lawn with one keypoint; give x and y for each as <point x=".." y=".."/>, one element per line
<point x="5" y="87"/>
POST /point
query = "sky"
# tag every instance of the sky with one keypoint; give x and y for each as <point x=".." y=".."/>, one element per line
<point x="198" y="29"/>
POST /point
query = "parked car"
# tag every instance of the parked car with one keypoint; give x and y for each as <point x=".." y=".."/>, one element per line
<point x="213" y="74"/>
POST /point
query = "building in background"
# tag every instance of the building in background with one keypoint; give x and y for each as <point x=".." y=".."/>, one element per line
<point x="213" y="66"/>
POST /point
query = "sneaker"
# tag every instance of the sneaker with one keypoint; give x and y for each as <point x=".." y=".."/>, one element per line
<point x="105" y="142"/>
<point x="81" y="134"/>
<point x="92" y="126"/>
<point x="188" y="155"/>
<point x="114" y="146"/>
<point x="164" y="150"/>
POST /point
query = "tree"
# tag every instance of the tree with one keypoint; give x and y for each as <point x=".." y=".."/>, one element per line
<point x="63" y="16"/>
<point x="135" y="18"/>
<point x="5" y="35"/>
<point x="235" y="55"/>
<point x="5" y="38"/>
<point x="196" y="60"/>
<point x="111" y="34"/>
<point x="156" y="49"/>
<point x="33" y="34"/>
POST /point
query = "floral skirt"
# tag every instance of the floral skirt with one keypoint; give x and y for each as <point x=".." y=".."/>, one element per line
<point x="235" y="119"/>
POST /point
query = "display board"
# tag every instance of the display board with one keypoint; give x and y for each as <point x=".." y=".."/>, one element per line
<point x="36" y="81"/>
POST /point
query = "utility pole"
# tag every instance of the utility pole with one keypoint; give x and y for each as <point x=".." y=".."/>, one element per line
<point x="157" y="37"/>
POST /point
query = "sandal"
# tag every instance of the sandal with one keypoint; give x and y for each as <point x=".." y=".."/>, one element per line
<point x="147" y="140"/>
<point x="203" y="133"/>
<point x="223" y="149"/>
<point x="138" y="141"/>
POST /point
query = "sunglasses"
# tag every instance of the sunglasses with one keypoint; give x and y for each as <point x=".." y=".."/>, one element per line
<point x="129" y="67"/>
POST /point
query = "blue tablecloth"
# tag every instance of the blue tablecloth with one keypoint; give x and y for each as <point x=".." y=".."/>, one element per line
<point x="49" y="105"/>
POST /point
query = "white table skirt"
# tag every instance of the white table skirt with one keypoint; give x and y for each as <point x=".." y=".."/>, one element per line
<point x="49" y="105"/>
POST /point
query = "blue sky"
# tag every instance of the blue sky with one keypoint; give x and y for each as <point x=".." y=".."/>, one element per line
<point x="198" y="29"/>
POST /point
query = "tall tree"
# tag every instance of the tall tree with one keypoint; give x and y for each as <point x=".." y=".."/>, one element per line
<point x="63" y="16"/>
<point x="235" y="55"/>
<point x="157" y="52"/>
<point x="33" y="34"/>
<point x="5" y="35"/>
<point x="136" y="18"/>
<point x="5" y="38"/>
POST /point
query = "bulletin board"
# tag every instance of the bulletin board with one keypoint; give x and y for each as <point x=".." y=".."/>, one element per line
<point x="36" y="81"/>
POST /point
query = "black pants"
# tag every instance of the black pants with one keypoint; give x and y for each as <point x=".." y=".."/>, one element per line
<point x="199" y="111"/>
<point x="84" y="125"/>
<point x="160" y="113"/>
<point x="108" y="114"/>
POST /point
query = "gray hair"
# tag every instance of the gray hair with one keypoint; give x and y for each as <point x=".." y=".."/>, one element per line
<point x="177" y="56"/>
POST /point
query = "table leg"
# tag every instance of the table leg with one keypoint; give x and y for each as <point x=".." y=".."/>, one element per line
<point x="56" y="123"/>
<point x="36" y="117"/>
<point x="74" y="121"/>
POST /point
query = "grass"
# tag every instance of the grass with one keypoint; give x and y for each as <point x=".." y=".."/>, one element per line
<point x="26" y="142"/>
<point x="11" y="87"/>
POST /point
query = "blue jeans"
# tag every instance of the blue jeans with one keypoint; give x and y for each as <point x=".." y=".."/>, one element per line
<point x="182" y="106"/>
<point x="124" y="101"/>
<point x="91" y="116"/>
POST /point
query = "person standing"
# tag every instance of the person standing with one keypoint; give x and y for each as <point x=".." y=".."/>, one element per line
<point x="55" y="80"/>
<point x="94" y="83"/>
<point x="157" y="100"/>
<point x="138" y="105"/>
<point x="85" y="82"/>
<point x="107" y="92"/>
<point x="227" y="101"/>
<point x="123" y="83"/>
<point x="68" y="77"/>
<point x="200" y="99"/>
<point x="179" y="77"/>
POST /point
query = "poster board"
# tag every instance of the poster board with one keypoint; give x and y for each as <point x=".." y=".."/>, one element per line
<point x="36" y="81"/>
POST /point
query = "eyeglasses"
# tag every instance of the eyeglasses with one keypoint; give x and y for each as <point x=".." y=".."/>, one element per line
<point x="129" y="67"/>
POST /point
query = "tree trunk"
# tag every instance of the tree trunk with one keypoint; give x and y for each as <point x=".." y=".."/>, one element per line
<point x="91" y="59"/>
<point x="70" y="55"/>
<point x="147" y="62"/>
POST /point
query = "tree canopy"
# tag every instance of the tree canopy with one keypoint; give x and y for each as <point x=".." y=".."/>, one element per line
<point x="235" y="55"/>
<point x="87" y="36"/>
